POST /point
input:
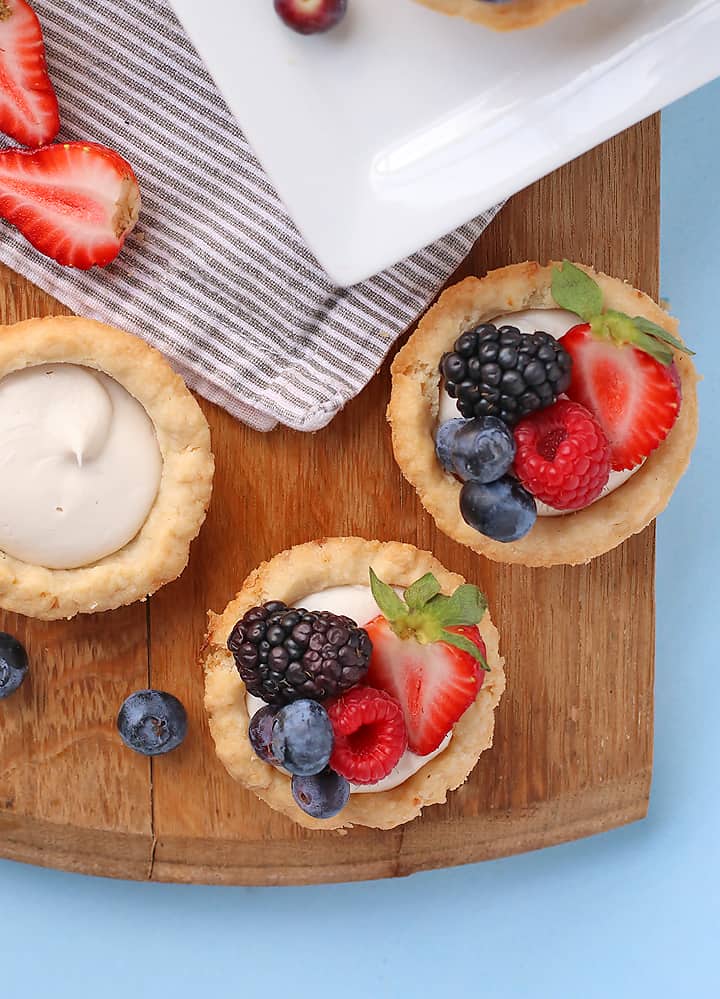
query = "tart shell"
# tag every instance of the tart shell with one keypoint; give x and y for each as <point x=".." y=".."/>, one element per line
<point x="159" y="552"/>
<point x="503" y="17"/>
<point x="290" y="576"/>
<point x="571" y="539"/>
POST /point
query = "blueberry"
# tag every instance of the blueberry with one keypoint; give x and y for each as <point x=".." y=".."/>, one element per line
<point x="501" y="510"/>
<point x="482" y="449"/>
<point x="322" y="795"/>
<point x="302" y="737"/>
<point x="13" y="664"/>
<point x="444" y="440"/>
<point x="260" y="733"/>
<point x="152" y="722"/>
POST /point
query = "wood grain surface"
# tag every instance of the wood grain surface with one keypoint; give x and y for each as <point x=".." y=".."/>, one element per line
<point x="573" y="746"/>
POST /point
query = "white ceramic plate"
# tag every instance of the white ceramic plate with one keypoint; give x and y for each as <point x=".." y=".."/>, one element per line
<point x="401" y="124"/>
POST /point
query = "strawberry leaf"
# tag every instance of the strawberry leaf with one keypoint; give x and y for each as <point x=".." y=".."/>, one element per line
<point x="652" y="329"/>
<point x="465" y="645"/>
<point x="421" y="592"/>
<point x="576" y="291"/>
<point x="467" y="605"/>
<point x="387" y="599"/>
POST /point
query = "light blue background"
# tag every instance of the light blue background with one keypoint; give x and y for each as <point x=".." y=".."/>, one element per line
<point x="630" y="913"/>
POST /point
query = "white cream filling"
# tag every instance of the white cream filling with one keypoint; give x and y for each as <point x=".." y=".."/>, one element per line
<point x="80" y="465"/>
<point x="556" y="322"/>
<point x="357" y="602"/>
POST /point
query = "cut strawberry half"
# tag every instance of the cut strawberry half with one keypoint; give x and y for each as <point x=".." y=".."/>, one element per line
<point x="74" y="202"/>
<point x="634" y="397"/>
<point x="28" y="105"/>
<point x="427" y="654"/>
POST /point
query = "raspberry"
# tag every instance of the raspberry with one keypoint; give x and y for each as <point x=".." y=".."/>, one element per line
<point x="563" y="456"/>
<point x="370" y="734"/>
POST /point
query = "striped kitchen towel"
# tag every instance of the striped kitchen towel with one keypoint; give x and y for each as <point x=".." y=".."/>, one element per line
<point x="216" y="275"/>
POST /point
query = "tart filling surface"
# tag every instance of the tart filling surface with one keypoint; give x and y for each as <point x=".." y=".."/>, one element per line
<point x="373" y="721"/>
<point x="544" y="422"/>
<point x="112" y="464"/>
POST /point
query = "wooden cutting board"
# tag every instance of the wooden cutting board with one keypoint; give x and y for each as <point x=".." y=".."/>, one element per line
<point x="573" y="745"/>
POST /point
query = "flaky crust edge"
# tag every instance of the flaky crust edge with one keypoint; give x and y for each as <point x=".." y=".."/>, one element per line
<point x="289" y="576"/>
<point x="159" y="553"/>
<point x="574" y="538"/>
<point x="503" y="17"/>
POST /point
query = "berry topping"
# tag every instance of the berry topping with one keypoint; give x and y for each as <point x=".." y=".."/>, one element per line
<point x="634" y="398"/>
<point x="563" y="456"/>
<point x="28" y="105"/>
<point x="428" y="655"/>
<point x="13" y="664"/>
<point x="321" y="795"/>
<point x="370" y="734"/>
<point x="260" y="733"/>
<point x="75" y="202"/>
<point x="309" y="17"/>
<point x="623" y="369"/>
<point x="501" y="510"/>
<point x="504" y="373"/>
<point x="302" y="738"/>
<point x="286" y="653"/>
<point x="152" y="722"/>
<point x="480" y="449"/>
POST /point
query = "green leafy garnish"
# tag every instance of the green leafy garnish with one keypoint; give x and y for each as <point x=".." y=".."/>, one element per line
<point x="576" y="291"/>
<point x="425" y="614"/>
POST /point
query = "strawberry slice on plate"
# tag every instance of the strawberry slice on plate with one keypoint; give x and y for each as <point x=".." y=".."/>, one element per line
<point x="75" y="202"/>
<point x="428" y="654"/>
<point x="28" y="105"/>
<point x="634" y="397"/>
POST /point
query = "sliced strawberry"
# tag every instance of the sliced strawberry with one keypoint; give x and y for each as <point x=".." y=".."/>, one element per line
<point x="635" y="398"/>
<point x="74" y="202"/>
<point x="435" y="684"/>
<point x="28" y="105"/>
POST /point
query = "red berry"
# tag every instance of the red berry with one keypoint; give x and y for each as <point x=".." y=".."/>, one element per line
<point x="309" y="17"/>
<point x="563" y="455"/>
<point x="28" y="105"/>
<point x="370" y="734"/>
<point x="635" y="398"/>
<point x="435" y="683"/>
<point x="74" y="201"/>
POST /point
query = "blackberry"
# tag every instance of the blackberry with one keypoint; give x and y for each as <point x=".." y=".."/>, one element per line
<point x="502" y="372"/>
<point x="287" y="653"/>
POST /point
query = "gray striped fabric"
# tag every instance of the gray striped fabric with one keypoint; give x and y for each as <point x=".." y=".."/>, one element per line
<point x="216" y="275"/>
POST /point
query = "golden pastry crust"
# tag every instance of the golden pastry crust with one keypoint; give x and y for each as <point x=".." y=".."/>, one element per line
<point x="571" y="539"/>
<point x="290" y="576"/>
<point x="504" y="17"/>
<point x="159" y="552"/>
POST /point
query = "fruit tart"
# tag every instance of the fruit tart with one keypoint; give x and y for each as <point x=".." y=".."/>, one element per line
<point x="352" y="682"/>
<point x="107" y="467"/>
<point x="503" y="15"/>
<point x="543" y="414"/>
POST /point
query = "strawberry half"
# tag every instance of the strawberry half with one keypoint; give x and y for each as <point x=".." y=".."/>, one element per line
<point x="635" y="398"/>
<point x="74" y="202"/>
<point x="28" y="105"/>
<point x="428" y="655"/>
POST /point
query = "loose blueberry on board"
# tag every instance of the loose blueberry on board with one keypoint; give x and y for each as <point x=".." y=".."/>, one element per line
<point x="13" y="664"/>
<point x="482" y="449"/>
<point x="501" y="510"/>
<point x="302" y="738"/>
<point x="502" y="372"/>
<point x="321" y="795"/>
<point x="310" y="17"/>
<point x="152" y="722"/>
<point x="260" y="733"/>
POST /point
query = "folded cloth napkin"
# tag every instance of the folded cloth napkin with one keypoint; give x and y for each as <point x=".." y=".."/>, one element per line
<point x="216" y="275"/>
